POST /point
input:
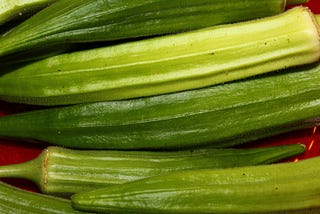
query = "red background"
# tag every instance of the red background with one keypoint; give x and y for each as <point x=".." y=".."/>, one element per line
<point x="18" y="151"/>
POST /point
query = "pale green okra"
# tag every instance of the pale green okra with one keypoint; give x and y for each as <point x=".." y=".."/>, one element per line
<point x="168" y="64"/>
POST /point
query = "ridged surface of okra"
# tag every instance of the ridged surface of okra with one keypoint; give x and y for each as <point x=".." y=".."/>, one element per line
<point x="83" y="21"/>
<point x="168" y="64"/>
<point x="63" y="171"/>
<point x="17" y="201"/>
<point x="253" y="189"/>
<point x="219" y="116"/>
<point x="15" y="9"/>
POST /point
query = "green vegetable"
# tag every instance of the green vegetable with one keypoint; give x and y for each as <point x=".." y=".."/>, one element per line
<point x="318" y="18"/>
<point x="300" y="211"/>
<point x="17" y="9"/>
<point x="219" y="116"/>
<point x="14" y="200"/>
<point x="168" y="64"/>
<point x="68" y="21"/>
<point x="253" y="189"/>
<point x="63" y="172"/>
<point x="295" y="2"/>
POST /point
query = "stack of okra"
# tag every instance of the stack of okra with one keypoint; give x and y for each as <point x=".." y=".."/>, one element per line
<point x="144" y="104"/>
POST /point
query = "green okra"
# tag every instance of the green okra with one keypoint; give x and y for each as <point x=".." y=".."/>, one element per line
<point x="61" y="171"/>
<point x="70" y="22"/>
<point x="295" y="2"/>
<point x="219" y="116"/>
<point x="15" y="200"/>
<point x="15" y="9"/>
<point x="168" y="64"/>
<point x="279" y="187"/>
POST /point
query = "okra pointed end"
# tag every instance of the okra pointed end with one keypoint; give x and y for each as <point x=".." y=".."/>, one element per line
<point x="284" y="152"/>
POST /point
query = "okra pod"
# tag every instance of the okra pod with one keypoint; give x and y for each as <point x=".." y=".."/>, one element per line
<point x="69" y="22"/>
<point x="168" y="64"/>
<point x="219" y="116"/>
<point x="61" y="171"/>
<point x="14" y="200"/>
<point x="253" y="189"/>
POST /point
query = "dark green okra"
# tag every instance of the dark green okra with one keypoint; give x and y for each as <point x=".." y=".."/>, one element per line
<point x="219" y="116"/>
<point x="280" y="187"/>
<point x="63" y="171"/>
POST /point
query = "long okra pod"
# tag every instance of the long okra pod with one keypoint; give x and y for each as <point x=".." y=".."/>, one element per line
<point x="83" y="21"/>
<point x="254" y="189"/>
<point x="62" y="171"/>
<point x="220" y="116"/>
<point x="168" y="64"/>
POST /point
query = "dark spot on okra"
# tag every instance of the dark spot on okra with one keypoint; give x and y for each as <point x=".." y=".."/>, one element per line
<point x="276" y="188"/>
<point x="212" y="53"/>
<point x="243" y="174"/>
<point x="58" y="70"/>
<point x="68" y="40"/>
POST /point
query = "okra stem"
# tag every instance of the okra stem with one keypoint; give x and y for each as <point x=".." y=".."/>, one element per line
<point x="31" y="170"/>
<point x="21" y="170"/>
<point x="62" y="171"/>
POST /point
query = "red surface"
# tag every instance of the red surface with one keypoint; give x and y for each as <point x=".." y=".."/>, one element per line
<point x="18" y="151"/>
<point x="314" y="5"/>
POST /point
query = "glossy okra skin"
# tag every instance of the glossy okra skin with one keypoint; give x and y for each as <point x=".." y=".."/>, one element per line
<point x="219" y="116"/>
<point x="14" y="200"/>
<point x="168" y="64"/>
<point x="253" y="189"/>
<point x="61" y="171"/>
<point x="295" y="2"/>
<point x="15" y="9"/>
<point x="83" y="21"/>
<point x="318" y="18"/>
